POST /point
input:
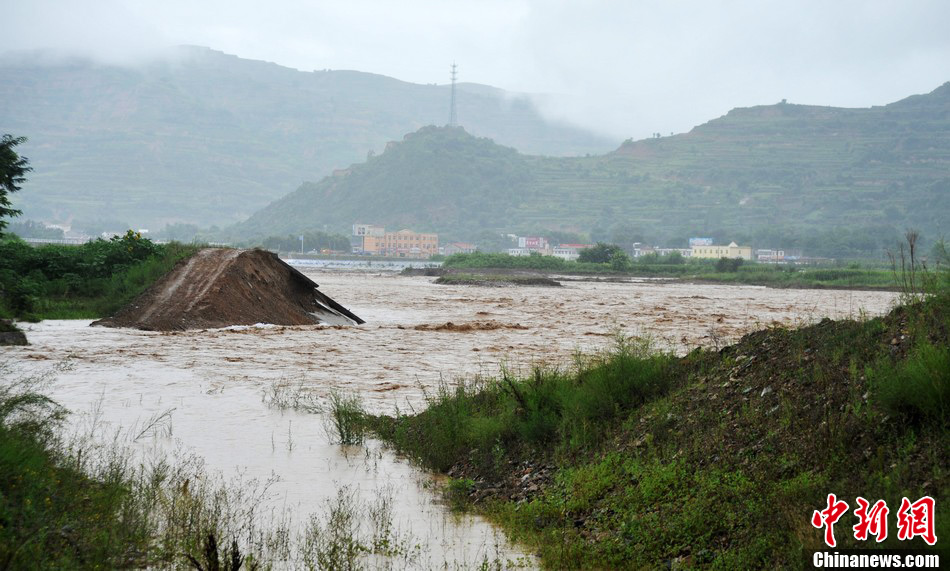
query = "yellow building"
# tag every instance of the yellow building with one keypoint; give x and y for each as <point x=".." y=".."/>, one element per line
<point x="409" y="244"/>
<point x="715" y="252"/>
<point x="371" y="239"/>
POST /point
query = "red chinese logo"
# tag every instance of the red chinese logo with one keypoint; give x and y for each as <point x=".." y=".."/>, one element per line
<point x="917" y="518"/>
<point x="873" y="521"/>
<point x="913" y="519"/>
<point x="827" y="517"/>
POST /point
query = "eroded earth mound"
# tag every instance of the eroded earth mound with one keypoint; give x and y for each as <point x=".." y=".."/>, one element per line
<point x="223" y="287"/>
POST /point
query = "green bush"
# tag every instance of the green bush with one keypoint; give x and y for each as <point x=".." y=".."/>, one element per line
<point x="86" y="281"/>
<point x="917" y="388"/>
<point x="728" y="264"/>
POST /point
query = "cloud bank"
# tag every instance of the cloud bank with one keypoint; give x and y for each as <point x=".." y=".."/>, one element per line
<point x="627" y="69"/>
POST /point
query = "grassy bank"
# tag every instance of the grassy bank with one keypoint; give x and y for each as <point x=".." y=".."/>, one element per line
<point x="803" y="278"/>
<point x="773" y="275"/>
<point x="80" y="282"/>
<point x="639" y="459"/>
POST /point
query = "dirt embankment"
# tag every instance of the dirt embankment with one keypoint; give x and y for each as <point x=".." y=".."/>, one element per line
<point x="223" y="287"/>
<point x="497" y="281"/>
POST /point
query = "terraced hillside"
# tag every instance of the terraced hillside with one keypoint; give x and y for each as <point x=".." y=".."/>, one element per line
<point x="833" y="181"/>
<point x="208" y="138"/>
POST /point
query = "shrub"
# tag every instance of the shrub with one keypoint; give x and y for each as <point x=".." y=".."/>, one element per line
<point x="728" y="264"/>
<point x="917" y="388"/>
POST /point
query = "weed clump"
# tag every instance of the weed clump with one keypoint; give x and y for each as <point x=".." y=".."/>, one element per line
<point x="346" y="418"/>
<point x="352" y="534"/>
<point x="88" y="502"/>
<point x="916" y="388"/>
<point x="483" y="420"/>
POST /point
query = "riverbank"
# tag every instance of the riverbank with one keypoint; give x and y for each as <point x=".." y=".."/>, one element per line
<point x="225" y="371"/>
<point x="87" y="281"/>
<point x="637" y="458"/>
<point x="691" y="271"/>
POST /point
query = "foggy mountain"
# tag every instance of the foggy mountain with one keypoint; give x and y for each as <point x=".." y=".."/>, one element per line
<point x="837" y="181"/>
<point x="208" y="138"/>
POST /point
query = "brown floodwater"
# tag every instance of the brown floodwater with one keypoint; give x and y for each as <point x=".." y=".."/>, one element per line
<point x="417" y="335"/>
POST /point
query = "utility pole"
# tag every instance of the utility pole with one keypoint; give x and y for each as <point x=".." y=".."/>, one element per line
<point x="453" y="116"/>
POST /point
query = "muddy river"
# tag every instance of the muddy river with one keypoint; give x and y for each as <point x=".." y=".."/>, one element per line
<point x="218" y="383"/>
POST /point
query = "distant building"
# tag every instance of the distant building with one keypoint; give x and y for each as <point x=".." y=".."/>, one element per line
<point x="569" y="252"/>
<point x="368" y="230"/>
<point x="701" y="242"/>
<point x="519" y="252"/>
<point x="409" y="244"/>
<point x="371" y="239"/>
<point x="640" y="250"/>
<point x="712" y="251"/>
<point x="458" y="248"/>
<point x="367" y="238"/>
<point x="534" y="243"/>
<point x="770" y="256"/>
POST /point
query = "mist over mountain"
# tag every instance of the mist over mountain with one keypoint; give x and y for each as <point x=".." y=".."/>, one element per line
<point x="208" y="138"/>
<point x="835" y="181"/>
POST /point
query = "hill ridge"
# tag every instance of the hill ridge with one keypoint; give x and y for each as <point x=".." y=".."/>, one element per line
<point x="222" y="134"/>
<point x="776" y="175"/>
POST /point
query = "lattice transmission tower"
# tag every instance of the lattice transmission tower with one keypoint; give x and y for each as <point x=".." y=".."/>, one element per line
<point x="453" y="114"/>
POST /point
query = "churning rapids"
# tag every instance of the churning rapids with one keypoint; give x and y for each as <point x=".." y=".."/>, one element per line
<point x="417" y="334"/>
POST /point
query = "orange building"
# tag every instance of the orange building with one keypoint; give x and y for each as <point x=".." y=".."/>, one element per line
<point x="409" y="244"/>
<point x="402" y="244"/>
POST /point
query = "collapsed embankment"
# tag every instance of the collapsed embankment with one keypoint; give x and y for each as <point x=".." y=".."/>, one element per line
<point x="716" y="459"/>
<point x="223" y="287"/>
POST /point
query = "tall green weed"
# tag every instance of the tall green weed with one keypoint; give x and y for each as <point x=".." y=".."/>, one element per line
<point x="916" y="388"/>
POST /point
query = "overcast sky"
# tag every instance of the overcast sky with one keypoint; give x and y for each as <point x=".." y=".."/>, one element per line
<point x="626" y="68"/>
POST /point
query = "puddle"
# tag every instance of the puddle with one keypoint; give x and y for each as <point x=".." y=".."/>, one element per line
<point x="216" y="380"/>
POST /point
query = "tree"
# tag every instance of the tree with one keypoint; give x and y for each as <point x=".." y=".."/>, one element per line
<point x="602" y="253"/>
<point x="12" y="170"/>
<point x="728" y="264"/>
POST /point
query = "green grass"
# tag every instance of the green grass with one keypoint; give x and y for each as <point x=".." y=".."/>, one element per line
<point x="916" y="388"/>
<point x="795" y="277"/>
<point x="7" y="327"/>
<point x="772" y="275"/>
<point x="551" y="409"/>
<point x="346" y="424"/>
